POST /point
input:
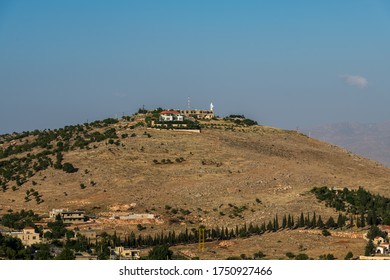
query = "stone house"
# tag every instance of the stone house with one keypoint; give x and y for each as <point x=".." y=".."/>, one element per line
<point x="28" y="236"/>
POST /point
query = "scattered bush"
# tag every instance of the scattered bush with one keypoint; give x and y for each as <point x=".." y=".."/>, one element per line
<point x="290" y="255"/>
<point x="69" y="168"/>
<point x="348" y="256"/>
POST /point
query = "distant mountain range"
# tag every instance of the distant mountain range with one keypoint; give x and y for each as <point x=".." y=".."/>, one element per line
<point x="369" y="140"/>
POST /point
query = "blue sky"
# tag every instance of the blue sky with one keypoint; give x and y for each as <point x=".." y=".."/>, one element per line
<point x="283" y="63"/>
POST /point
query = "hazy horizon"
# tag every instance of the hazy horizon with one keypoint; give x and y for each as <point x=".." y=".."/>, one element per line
<point x="285" y="64"/>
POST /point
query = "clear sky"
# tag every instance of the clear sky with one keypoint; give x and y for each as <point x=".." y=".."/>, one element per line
<point x="282" y="63"/>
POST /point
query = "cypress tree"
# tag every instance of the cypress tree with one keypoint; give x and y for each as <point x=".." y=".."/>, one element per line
<point x="340" y="221"/>
<point x="320" y="223"/>
<point x="362" y="220"/>
<point x="270" y="227"/>
<point x="351" y="220"/>
<point x="307" y="220"/>
<point x="313" y="223"/>
<point x="276" y="223"/>
<point x="331" y="223"/>
<point x="301" y="221"/>
<point x="284" y="222"/>
<point x="369" y="248"/>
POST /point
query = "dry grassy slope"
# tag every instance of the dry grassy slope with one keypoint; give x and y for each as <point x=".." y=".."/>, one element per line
<point x="276" y="166"/>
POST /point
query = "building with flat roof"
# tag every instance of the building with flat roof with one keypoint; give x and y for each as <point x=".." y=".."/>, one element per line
<point x="73" y="216"/>
<point x="198" y="114"/>
<point x="126" y="253"/>
<point x="28" y="236"/>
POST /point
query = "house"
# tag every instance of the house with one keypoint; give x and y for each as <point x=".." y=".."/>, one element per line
<point x="383" y="249"/>
<point x="378" y="240"/>
<point x="199" y="114"/>
<point x="171" y="116"/>
<point x="126" y="253"/>
<point x="90" y="234"/>
<point x="54" y="212"/>
<point x="73" y="216"/>
<point x="28" y="236"/>
<point x="385" y="229"/>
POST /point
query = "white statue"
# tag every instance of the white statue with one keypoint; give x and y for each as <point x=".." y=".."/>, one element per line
<point x="211" y="107"/>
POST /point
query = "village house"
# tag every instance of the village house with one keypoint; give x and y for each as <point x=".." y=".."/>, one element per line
<point x="54" y="212"/>
<point x="171" y="116"/>
<point x="378" y="240"/>
<point x="198" y="114"/>
<point x="383" y="249"/>
<point x="73" y="216"/>
<point x="126" y="253"/>
<point x="385" y="229"/>
<point x="28" y="236"/>
<point x="90" y="234"/>
<point x="67" y="216"/>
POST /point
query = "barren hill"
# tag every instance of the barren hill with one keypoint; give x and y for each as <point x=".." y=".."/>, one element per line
<point x="217" y="167"/>
<point x="207" y="176"/>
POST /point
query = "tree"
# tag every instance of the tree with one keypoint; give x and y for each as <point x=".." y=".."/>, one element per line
<point x="327" y="257"/>
<point x="369" y="250"/>
<point x="69" y="168"/>
<point x="160" y="252"/>
<point x="258" y="255"/>
<point x="320" y="223"/>
<point x="302" y="257"/>
<point x="57" y="228"/>
<point x="290" y="255"/>
<point x="66" y="254"/>
<point x="340" y="221"/>
<point x="301" y="222"/>
<point x="331" y="223"/>
<point x="348" y="256"/>
<point x="313" y="223"/>
<point x="373" y="232"/>
<point x="284" y="222"/>
<point x="43" y="253"/>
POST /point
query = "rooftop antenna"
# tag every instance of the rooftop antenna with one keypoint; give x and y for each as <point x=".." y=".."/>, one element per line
<point x="189" y="103"/>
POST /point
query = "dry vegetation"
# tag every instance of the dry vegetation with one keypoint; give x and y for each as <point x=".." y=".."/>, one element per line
<point x="218" y="177"/>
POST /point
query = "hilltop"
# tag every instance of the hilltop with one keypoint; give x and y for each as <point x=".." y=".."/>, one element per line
<point x="229" y="174"/>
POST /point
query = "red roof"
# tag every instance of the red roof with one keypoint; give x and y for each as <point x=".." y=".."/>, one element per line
<point x="169" y="112"/>
<point x="28" y="228"/>
<point x="385" y="227"/>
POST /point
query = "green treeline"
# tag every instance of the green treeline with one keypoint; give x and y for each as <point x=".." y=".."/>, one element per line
<point x="371" y="209"/>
